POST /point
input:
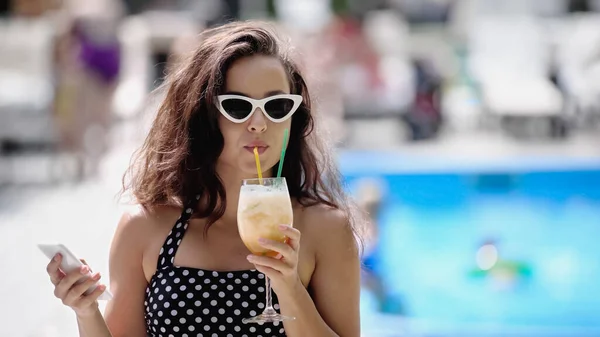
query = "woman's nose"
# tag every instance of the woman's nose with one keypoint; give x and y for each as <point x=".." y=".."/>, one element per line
<point x="258" y="122"/>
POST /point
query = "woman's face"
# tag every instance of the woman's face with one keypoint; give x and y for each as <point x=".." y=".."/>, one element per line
<point x="255" y="77"/>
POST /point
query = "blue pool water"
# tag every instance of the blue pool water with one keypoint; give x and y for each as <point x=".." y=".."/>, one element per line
<point x="541" y="218"/>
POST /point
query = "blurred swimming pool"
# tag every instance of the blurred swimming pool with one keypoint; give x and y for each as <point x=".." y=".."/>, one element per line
<point x="510" y="248"/>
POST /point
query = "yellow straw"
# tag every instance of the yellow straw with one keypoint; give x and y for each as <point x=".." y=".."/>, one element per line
<point x="260" y="180"/>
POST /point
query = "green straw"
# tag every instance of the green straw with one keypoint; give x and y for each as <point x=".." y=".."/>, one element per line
<point x="285" y="138"/>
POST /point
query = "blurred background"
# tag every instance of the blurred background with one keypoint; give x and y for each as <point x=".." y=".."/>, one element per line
<point x="468" y="129"/>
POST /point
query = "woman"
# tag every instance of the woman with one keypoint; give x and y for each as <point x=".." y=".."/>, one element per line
<point x="184" y="233"/>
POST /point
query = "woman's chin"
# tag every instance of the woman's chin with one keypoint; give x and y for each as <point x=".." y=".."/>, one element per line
<point x="249" y="170"/>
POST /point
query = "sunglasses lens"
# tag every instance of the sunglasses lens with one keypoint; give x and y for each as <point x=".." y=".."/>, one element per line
<point x="279" y="107"/>
<point x="237" y="108"/>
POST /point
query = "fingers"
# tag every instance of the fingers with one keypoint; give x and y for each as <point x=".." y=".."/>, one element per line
<point x="284" y="249"/>
<point x="57" y="278"/>
<point x="268" y="262"/>
<point x="287" y="251"/>
<point x="69" y="280"/>
<point x="90" y="299"/>
<point x="293" y="236"/>
<point x="85" y="262"/>
<point x="79" y="289"/>
<point x="268" y="271"/>
<point x="71" y="287"/>
<point x="53" y="269"/>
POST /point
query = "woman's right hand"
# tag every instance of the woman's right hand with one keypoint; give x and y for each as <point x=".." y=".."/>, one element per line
<point x="70" y="287"/>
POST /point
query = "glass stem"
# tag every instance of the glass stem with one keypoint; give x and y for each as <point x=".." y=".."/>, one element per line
<point x="269" y="300"/>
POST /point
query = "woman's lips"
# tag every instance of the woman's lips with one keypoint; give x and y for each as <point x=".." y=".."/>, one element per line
<point x="261" y="149"/>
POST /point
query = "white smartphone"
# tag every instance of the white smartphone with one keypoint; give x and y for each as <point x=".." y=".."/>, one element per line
<point x="69" y="263"/>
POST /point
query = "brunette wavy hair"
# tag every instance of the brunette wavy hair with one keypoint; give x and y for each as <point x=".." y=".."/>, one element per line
<point x="178" y="159"/>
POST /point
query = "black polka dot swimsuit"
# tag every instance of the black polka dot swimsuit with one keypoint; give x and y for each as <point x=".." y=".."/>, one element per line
<point x="189" y="302"/>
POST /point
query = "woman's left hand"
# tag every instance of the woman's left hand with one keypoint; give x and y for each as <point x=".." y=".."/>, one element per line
<point x="282" y="270"/>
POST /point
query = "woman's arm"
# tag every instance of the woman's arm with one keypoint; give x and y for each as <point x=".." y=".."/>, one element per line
<point x="331" y="306"/>
<point x="124" y="314"/>
<point x="93" y="325"/>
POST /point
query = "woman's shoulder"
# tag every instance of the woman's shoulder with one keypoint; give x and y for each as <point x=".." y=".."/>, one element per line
<point x="329" y="233"/>
<point x="322" y="222"/>
<point x="140" y="223"/>
<point x="136" y="215"/>
<point x="322" y="213"/>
